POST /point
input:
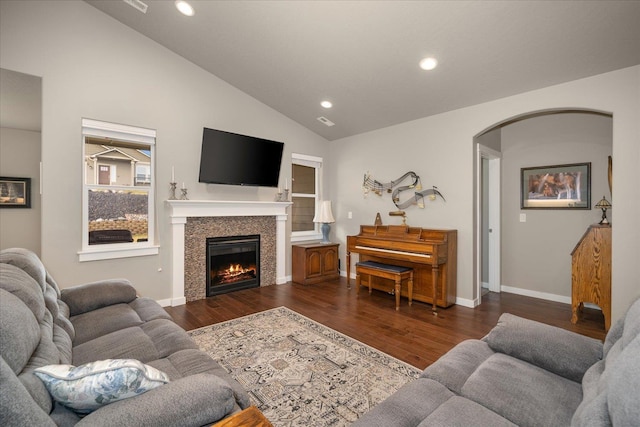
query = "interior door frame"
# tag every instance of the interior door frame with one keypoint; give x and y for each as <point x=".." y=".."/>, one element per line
<point x="494" y="158"/>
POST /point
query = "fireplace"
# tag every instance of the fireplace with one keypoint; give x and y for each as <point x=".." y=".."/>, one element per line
<point x="191" y="220"/>
<point x="233" y="263"/>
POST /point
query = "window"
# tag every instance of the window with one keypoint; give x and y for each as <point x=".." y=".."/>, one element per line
<point x="306" y="173"/>
<point x="118" y="191"/>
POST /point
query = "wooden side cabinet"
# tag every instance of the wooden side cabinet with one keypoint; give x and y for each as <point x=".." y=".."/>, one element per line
<point x="591" y="272"/>
<point x="315" y="262"/>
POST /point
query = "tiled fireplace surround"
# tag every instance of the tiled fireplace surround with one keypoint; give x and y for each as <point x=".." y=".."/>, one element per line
<point x="192" y="221"/>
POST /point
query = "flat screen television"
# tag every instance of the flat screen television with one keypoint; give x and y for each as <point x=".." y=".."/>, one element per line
<point x="233" y="159"/>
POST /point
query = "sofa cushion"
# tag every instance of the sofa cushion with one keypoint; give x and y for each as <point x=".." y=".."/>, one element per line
<point x="631" y="324"/>
<point x="557" y="350"/>
<point x="614" y="334"/>
<point x="129" y="343"/>
<point x="25" y="341"/>
<point x="523" y="393"/>
<point x="63" y="342"/>
<point x="461" y="412"/>
<point x="149" y="341"/>
<point x="624" y="386"/>
<point x="20" y="331"/>
<point x="17" y="406"/>
<point x="167" y="337"/>
<point x="194" y="401"/>
<point x="95" y="295"/>
<point x="185" y="363"/>
<point x="26" y="261"/>
<point x="24" y="287"/>
<point x="456" y="366"/>
<point x="188" y="362"/>
<point x="100" y="322"/>
<point x="592" y="413"/>
<point x="408" y="406"/>
<point x="86" y="388"/>
<point x="148" y="309"/>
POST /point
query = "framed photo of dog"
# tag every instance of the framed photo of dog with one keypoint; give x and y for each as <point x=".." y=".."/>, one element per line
<point x="556" y="187"/>
<point x="15" y="192"/>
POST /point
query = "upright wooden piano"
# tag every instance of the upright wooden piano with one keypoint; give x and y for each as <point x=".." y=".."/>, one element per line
<point x="431" y="253"/>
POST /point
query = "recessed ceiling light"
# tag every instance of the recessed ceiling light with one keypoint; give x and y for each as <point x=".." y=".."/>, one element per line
<point x="184" y="7"/>
<point x="326" y="104"/>
<point x="428" y="64"/>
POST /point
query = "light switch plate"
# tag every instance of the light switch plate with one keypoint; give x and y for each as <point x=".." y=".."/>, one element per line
<point x="523" y="217"/>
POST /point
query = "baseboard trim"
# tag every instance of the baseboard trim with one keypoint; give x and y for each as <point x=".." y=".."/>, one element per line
<point x="178" y="301"/>
<point x="470" y="303"/>
<point x="543" y="295"/>
<point x="536" y="294"/>
<point x="164" y="302"/>
<point x="284" y="280"/>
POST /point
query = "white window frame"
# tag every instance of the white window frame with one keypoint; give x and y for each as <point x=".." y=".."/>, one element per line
<point x="132" y="134"/>
<point x="316" y="163"/>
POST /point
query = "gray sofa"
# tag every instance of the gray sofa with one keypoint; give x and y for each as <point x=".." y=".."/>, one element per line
<point x="41" y="325"/>
<point x="525" y="373"/>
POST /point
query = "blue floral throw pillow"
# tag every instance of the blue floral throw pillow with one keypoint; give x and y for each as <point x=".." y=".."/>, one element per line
<point x="88" y="387"/>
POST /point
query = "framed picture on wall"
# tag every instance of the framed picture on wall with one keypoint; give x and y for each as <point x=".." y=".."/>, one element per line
<point x="15" y="192"/>
<point x="556" y="187"/>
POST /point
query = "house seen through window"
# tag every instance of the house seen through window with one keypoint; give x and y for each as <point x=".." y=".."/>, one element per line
<point x="118" y="188"/>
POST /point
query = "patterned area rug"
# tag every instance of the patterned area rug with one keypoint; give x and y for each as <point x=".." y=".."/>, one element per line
<point x="301" y="373"/>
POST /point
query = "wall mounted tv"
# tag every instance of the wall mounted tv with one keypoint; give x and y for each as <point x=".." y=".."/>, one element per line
<point x="233" y="159"/>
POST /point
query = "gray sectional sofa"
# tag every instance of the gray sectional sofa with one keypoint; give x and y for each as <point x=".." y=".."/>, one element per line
<point x="42" y="325"/>
<point x="525" y="373"/>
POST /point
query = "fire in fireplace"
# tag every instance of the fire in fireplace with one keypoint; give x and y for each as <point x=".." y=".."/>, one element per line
<point x="233" y="263"/>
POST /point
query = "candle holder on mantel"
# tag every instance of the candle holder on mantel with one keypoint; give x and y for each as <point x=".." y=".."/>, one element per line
<point x="282" y="196"/>
<point x="183" y="195"/>
<point x="172" y="190"/>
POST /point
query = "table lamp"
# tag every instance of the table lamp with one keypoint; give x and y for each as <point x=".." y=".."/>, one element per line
<point x="604" y="205"/>
<point x="325" y="217"/>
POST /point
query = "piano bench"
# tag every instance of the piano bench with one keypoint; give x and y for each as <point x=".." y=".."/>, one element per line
<point x="386" y="271"/>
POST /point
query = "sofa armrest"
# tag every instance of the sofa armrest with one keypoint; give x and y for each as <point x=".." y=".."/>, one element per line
<point x="195" y="400"/>
<point x="554" y="349"/>
<point x="95" y="295"/>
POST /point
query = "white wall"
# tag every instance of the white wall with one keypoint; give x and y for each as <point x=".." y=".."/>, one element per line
<point x="94" y="67"/>
<point x="20" y="158"/>
<point x="536" y="253"/>
<point x="440" y="149"/>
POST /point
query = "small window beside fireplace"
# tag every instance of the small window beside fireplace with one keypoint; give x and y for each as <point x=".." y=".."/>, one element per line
<point x="233" y="263"/>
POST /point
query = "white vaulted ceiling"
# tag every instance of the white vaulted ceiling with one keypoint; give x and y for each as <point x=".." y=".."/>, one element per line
<point x="363" y="55"/>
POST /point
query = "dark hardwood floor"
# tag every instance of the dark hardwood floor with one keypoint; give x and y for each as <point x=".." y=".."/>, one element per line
<point x="412" y="334"/>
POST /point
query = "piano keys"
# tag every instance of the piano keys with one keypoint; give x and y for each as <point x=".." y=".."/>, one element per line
<point x="431" y="253"/>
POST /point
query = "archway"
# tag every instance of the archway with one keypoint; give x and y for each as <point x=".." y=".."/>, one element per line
<point x="546" y="137"/>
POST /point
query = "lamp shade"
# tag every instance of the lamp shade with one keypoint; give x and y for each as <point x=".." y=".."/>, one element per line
<point x="603" y="204"/>
<point x="324" y="214"/>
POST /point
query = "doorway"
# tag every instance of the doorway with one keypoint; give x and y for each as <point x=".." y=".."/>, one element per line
<point x="535" y="138"/>
<point x="489" y="198"/>
<point x="20" y="144"/>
